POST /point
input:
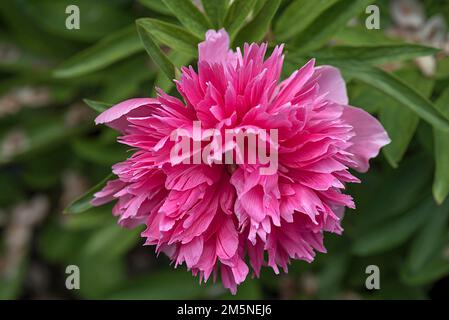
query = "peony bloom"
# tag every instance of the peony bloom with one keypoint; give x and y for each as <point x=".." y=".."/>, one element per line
<point x="223" y="218"/>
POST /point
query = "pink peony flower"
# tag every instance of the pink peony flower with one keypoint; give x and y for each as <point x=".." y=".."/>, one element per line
<point x="222" y="218"/>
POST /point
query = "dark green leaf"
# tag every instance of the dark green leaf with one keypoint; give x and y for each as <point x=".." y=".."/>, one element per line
<point x="237" y="14"/>
<point x="179" y="59"/>
<point x="299" y="15"/>
<point x="429" y="241"/>
<point x="97" y="18"/>
<point x="400" y="122"/>
<point x="361" y="36"/>
<point x="172" y="284"/>
<point x="156" y="6"/>
<point x="400" y="190"/>
<point x="113" y="48"/>
<point x="257" y="28"/>
<point x="171" y="35"/>
<point x="153" y="49"/>
<point x="83" y="204"/>
<point x="395" y="233"/>
<point x="216" y="11"/>
<point x="373" y="54"/>
<point x="97" y="106"/>
<point x="396" y="89"/>
<point x="329" y="23"/>
<point x="111" y="242"/>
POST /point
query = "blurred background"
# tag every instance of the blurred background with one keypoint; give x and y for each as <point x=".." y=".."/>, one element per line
<point x="53" y="82"/>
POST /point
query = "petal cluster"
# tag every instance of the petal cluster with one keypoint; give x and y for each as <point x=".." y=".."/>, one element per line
<point x="222" y="219"/>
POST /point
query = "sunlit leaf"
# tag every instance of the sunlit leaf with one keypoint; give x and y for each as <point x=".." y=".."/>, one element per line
<point x="190" y="16"/>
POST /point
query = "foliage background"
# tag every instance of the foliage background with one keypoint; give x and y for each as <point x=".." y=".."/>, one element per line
<point x="51" y="153"/>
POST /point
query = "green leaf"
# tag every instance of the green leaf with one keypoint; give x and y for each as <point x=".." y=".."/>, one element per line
<point x="393" y="233"/>
<point x="172" y="35"/>
<point x="216" y="11"/>
<point x="111" y="242"/>
<point x="190" y="16"/>
<point x="97" y="18"/>
<point x="237" y="14"/>
<point x="156" y="6"/>
<point x="39" y="136"/>
<point x="400" y="190"/>
<point x="97" y="106"/>
<point x="113" y="48"/>
<point x="401" y="123"/>
<point x="97" y="152"/>
<point x="374" y="54"/>
<point x="99" y="277"/>
<point x="257" y="28"/>
<point x="96" y="218"/>
<point x="361" y="36"/>
<point x="331" y="276"/>
<point x="434" y="269"/>
<point x="153" y="49"/>
<point x="329" y="23"/>
<point x="179" y="59"/>
<point x="299" y="15"/>
<point x="395" y="88"/>
<point x="441" y="180"/>
<point x="172" y="284"/>
<point x="83" y="204"/>
<point x="430" y="239"/>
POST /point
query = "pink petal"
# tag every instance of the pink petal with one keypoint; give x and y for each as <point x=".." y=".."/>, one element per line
<point x="215" y="49"/>
<point x="369" y="137"/>
<point x="331" y="82"/>
<point x="116" y="116"/>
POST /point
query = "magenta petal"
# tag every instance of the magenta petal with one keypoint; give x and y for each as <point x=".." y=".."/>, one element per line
<point x="369" y="137"/>
<point x="116" y="116"/>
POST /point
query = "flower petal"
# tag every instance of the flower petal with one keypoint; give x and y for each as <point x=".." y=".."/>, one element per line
<point x="215" y="49"/>
<point x="369" y="137"/>
<point x="116" y="116"/>
<point x="331" y="82"/>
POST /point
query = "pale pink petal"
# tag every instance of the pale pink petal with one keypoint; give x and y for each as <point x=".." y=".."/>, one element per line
<point x="369" y="137"/>
<point x="215" y="49"/>
<point x="116" y="116"/>
<point x="331" y="83"/>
